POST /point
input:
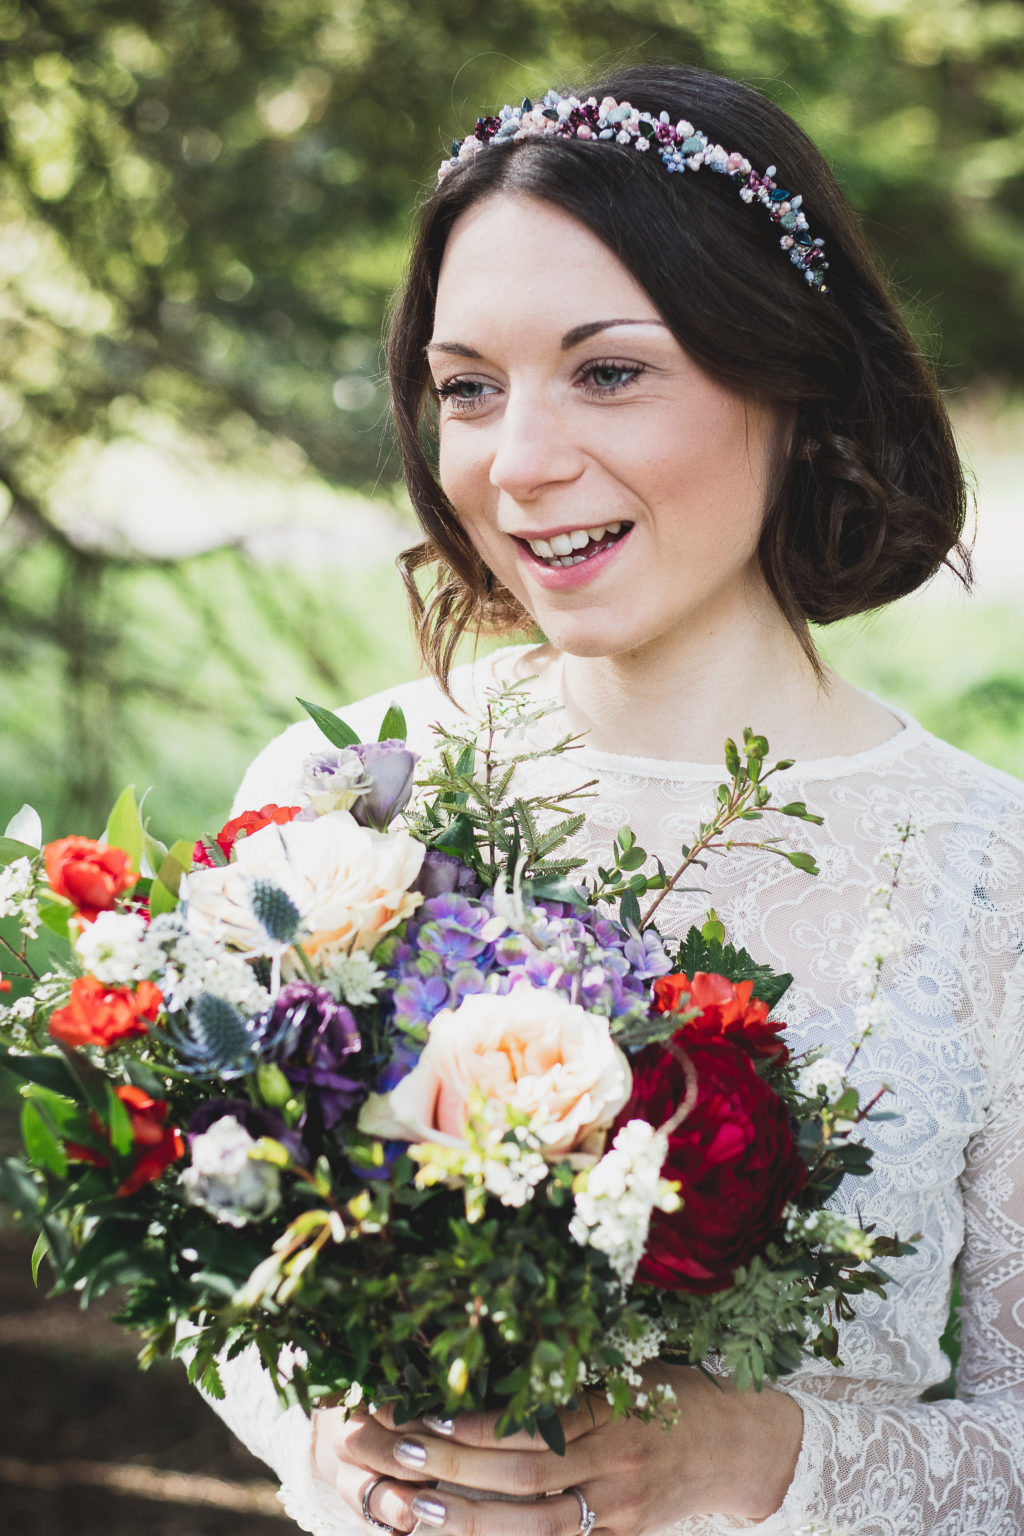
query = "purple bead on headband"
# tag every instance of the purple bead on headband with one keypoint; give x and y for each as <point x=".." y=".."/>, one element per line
<point x="680" y="146"/>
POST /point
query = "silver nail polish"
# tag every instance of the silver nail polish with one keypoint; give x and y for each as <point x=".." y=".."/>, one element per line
<point x="411" y="1453"/>
<point x="438" y="1425"/>
<point x="430" y="1511"/>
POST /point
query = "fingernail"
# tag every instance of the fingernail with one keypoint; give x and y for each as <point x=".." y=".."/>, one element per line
<point x="431" y="1511"/>
<point x="438" y="1425"/>
<point x="411" y="1453"/>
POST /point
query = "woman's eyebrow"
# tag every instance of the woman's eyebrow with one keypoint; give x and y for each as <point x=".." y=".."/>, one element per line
<point x="456" y="348"/>
<point x="569" y="340"/>
<point x="584" y="332"/>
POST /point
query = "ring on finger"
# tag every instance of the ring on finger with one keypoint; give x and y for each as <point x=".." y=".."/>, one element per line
<point x="382" y="1525"/>
<point x="587" y="1517"/>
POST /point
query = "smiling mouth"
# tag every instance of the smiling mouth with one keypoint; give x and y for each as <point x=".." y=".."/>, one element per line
<point x="575" y="547"/>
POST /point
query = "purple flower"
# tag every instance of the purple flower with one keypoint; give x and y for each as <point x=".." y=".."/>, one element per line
<point x="442" y="873"/>
<point x="309" y="1035"/>
<point x="418" y="998"/>
<point x="390" y="766"/>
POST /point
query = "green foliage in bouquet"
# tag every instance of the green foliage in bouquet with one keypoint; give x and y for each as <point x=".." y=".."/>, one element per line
<point x="240" y="1108"/>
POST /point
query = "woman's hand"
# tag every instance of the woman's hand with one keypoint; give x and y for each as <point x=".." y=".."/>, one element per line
<point x="728" y="1452"/>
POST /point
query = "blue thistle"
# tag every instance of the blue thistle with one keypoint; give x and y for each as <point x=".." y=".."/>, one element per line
<point x="274" y="910"/>
<point x="218" y="1041"/>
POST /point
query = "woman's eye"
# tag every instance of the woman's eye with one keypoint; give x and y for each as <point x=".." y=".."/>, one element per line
<point x="463" y="393"/>
<point x="606" y="378"/>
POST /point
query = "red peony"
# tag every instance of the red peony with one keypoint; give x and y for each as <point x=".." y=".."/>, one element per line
<point x="243" y="826"/>
<point x="90" y="875"/>
<point x="728" y="1011"/>
<point x="157" y="1144"/>
<point x="733" y="1157"/>
<point x="101" y="1015"/>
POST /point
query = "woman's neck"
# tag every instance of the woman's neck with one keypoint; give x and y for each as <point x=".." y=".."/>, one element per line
<point x="679" y="698"/>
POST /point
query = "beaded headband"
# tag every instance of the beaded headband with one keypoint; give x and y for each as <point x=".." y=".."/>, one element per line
<point x="680" y="146"/>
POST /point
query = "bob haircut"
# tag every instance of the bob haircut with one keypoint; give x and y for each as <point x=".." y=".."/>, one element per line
<point x="868" y="499"/>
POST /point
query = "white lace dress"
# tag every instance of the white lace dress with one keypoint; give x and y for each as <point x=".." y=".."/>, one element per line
<point x="876" y="1460"/>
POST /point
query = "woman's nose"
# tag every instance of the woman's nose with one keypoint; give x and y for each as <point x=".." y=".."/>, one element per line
<point x="534" y="449"/>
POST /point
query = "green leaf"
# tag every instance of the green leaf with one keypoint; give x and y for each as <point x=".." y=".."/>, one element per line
<point x="633" y="858"/>
<point x="713" y="929"/>
<point x="625" y="838"/>
<point x="21" y="1187"/>
<point x="43" y="1148"/>
<point x="551" y="1431"/>
<point x="124" y="827"/>
<point x="51" y="1071"/>
<point x="556" y="888"/>
<point x="211" y="1384"/>
<point x="629" y="911"/>
<point x="801" y="860"/>
<point x="40" y="1252"/>
<point x="11" y="849"/>
<point x="699" y="954"/>
<point x="119" y="1124"/>
<point x="458" y="838"/>
<point x="393" y="726"/>
<point x="55" y="915"/>
<point x="334" y="728"/>
<point x="163" y="896"/>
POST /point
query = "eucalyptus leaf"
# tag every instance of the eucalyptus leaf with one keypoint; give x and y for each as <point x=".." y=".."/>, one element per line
<point x="333" y="726"/>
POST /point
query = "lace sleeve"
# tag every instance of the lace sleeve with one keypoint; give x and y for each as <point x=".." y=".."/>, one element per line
<point x="946" y="1468"/>
<point x="283" y="1438"/>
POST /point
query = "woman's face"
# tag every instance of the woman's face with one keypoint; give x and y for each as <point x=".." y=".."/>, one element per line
<point x="607" y="481"/>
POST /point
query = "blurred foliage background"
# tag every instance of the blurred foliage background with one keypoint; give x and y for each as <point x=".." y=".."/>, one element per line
<point x="204" y="208"/>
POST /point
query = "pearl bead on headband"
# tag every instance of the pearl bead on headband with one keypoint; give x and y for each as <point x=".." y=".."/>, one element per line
<point x="679" y="145"/>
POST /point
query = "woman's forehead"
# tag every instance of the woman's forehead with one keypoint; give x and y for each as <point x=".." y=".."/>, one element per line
<point x="518" y="259"/>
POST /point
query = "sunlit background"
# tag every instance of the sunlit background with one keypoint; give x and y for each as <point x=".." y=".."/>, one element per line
<point x="203" y="211"/>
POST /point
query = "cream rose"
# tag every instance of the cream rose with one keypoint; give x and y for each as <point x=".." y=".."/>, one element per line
<point x="532" y="1050"/>
<point x="349" y="883"/>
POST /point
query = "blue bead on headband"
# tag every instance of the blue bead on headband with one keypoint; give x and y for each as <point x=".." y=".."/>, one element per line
<point x="679" y="145"/>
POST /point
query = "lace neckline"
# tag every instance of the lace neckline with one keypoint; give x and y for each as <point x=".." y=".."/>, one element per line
<point x="910" y="734"/>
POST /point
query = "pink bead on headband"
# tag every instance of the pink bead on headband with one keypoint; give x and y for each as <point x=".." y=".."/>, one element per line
<point x="680" y="146"/>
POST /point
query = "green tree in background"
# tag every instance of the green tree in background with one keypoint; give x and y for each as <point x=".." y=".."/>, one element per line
<point x="203" y="212"/>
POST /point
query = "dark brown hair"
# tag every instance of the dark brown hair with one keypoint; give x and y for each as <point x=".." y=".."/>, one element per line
<point x="870" y="500"/>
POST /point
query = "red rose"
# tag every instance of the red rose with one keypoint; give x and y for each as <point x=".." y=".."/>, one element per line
<point x="90" y="875"/>
<point x="728" y="1011"/>
<point x="244" y="826"/>
<point x="733" y="1157"/>
<point x="157" y="1144"/>
<point x="101" y="1015"/>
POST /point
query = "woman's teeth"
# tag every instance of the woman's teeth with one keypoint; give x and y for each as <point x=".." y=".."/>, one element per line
<point x="572" y="548"/>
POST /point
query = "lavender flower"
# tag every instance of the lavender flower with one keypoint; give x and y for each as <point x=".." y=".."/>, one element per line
<point x="441" y="874"/>
<point x="389" y="765"/>
<point x="333" y="779"/>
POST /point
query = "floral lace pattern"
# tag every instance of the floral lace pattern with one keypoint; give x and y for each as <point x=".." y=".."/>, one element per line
<point x="876" y="1461"/>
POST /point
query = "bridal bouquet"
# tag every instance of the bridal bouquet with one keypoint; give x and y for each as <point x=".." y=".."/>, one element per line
<point x="370" y="1083"/>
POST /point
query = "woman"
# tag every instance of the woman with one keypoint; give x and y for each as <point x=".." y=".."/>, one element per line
<point x="667" y="444"/>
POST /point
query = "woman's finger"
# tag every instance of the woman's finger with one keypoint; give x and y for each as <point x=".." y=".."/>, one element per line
<point x="478" y="1429"/>
<point x="492" y="1467"/>
<point x="557" y="1515"/>
<point x="387" y="1502"/>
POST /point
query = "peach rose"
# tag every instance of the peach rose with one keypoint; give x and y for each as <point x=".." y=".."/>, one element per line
<point x="531" y="1049"/>
<point x="349" y="883"/>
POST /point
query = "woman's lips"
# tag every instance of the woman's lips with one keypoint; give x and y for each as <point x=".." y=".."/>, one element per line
<point x="559" y="578"/>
